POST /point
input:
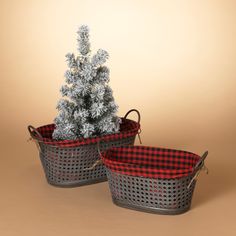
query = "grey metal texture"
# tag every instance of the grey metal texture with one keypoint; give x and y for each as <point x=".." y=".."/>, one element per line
<point x="162" y="196"/>
<point x="68" y="166"/>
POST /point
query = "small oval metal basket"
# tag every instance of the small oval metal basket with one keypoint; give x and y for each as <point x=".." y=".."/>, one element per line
<point x="150" y="179"/>
<point x="70" y="163"/>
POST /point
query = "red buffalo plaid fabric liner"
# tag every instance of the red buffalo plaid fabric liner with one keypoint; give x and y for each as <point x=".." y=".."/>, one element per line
<point x="128" y="128"/>
<point x="150" y="162"/>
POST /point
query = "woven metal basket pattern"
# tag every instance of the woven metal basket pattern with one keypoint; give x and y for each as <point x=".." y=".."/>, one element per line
<point x="68" y="167"/>
<point x="69" y="163"/>
<point x="151" y="179"/>
<point x="163" y="196"/>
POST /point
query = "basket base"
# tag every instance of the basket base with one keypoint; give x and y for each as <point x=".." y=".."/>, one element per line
<point x="77" y="184"/>
<point x="153" y="210"/>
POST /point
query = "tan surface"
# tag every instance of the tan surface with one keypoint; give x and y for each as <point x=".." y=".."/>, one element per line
<point x="173" y="60"/>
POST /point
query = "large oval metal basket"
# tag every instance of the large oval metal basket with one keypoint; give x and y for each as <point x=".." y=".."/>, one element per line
<point x="68" y="163"/>
<point x="152" y="179"/>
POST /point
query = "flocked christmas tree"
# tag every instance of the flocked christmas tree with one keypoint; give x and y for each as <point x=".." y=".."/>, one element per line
<point x="90" y="109"/>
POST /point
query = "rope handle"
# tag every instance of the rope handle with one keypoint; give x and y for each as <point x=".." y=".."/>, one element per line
<point x="99" y="161"/>
<point x="198" y="168"/>
<point x="34" y="137"/>
<point x="32" y="132"/>
<point x="200" y="163"/>
<point x="139" y="116"/>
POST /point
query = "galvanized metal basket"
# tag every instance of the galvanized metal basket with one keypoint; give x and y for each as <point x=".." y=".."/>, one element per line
<point x="68" y="163"/>
<point x="149" y="179"/>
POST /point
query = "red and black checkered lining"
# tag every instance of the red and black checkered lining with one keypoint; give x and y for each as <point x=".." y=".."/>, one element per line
<point x="150" y="162"/>
<point x="128" y="128"/>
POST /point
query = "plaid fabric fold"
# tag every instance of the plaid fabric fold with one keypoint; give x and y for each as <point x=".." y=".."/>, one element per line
<point x="150" y="162"/>
<point x="128" y="128"/>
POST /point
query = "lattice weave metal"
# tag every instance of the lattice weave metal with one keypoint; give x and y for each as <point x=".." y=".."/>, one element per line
<point x="68" y="163"/>
<point x="152" y="179"/>
<point x="67" y="167"/>
<point x="165" y="196"/>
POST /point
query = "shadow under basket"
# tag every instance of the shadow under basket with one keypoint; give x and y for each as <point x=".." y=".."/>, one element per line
<point x="71" y="163"/>
<point x="154" y="180"/>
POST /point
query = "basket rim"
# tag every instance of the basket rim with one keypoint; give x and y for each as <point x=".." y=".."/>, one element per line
<point x="173" y="163"/>
<point x="133" y="129"/>
<point x="151" y="147"/>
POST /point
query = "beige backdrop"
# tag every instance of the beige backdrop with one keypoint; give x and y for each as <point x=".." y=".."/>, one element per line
<point x="174" y="60"/>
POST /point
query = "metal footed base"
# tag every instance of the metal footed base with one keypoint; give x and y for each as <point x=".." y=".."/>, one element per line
<point x="80" y="183"/>
<point x="153" y="210"/>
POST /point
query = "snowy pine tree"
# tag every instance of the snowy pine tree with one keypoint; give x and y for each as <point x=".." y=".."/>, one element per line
<point x="90" y="109"/>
